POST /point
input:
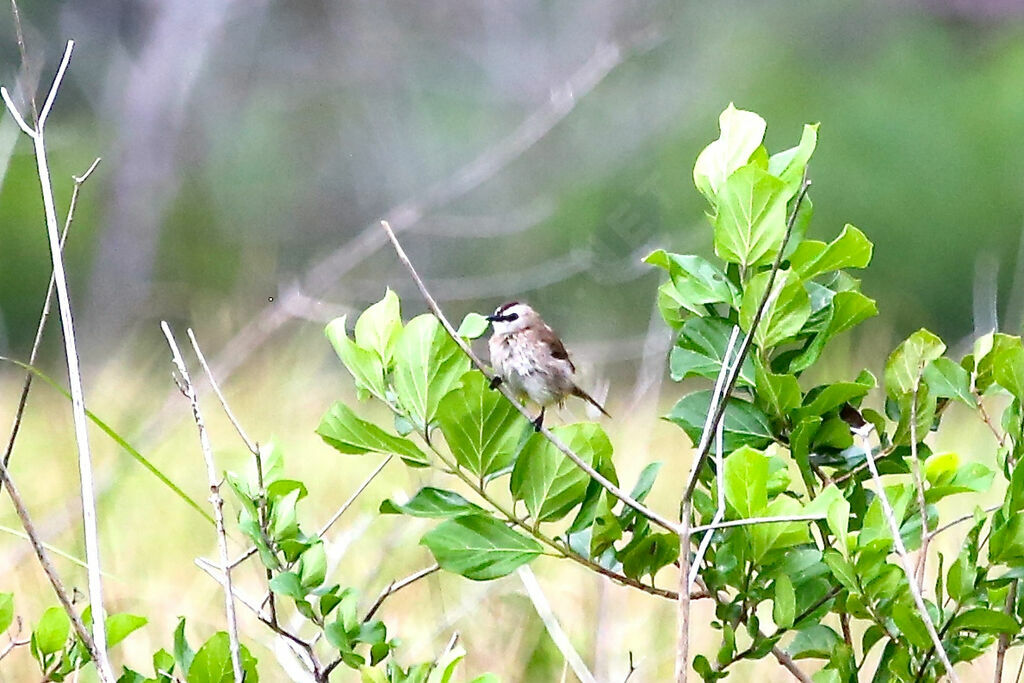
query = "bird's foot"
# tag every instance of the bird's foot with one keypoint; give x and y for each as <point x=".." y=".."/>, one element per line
<point x="495" y="382"/>
<point x="539" y="422"/>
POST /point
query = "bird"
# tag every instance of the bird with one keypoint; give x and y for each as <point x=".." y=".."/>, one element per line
<point x="530" y="358"/>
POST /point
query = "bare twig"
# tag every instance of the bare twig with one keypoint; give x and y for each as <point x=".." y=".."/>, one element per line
<point x="716" y="396"/>
<point x="752" y="521"/>
<point x="554" y="629"/>
<point x="396" y="586"/>
<point x="862" y="433"/>
<point x="961" y="520"/>
<point x="249" y="443"/>
<point x="215" y="498"/>
<point x="582" y="464"/>
<point x="44" y="560"/>
<point x="1004" y="638"/>
<point x="43" y="317"/>
<point x="922" y="556"/>
<point x="92" y="550"/>
<point x="355" y="494"/>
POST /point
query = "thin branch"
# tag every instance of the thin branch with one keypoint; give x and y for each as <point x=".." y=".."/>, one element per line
<point x="554" y="629"/>
<point x="25" y="128"/>
<point x="352" y="499"/>
<point x="396" y="586"/>
<point x="51" y="573"/>
<point x="215" y="498"/>
<point x="862" y="434"/>
<point x="961" y="520"/>
<point x="922" y="555"/>
<point x="582" y="464"/>
<point x="45" y="113"/>
<point x="23" y="51"/>
<point x="719" y="436"/>
<point x="43" y="317"/>
<point x="1004" y="638"/>
<point x="249" y="443"/>
<point x="92" y="550"/>
<point x="750" y="521"/>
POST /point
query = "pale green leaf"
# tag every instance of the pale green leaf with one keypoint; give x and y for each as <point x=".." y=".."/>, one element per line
<point x="428" y="364"/>
<point x="479" y="547"/>
<point x="741" y="134"/>
<point x="343" y="430"/>
<point x="906" y="364"/>
<point x="743" y="423"/>
<point x="751" y="219"/>
<point x="782" y="318"/>
<point x="378" y="327"/>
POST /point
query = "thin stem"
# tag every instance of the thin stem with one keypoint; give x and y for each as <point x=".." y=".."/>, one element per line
<point x="51" y="573"/>
<point x="352" y="499"/>
<point x="554" y="629"/>
<point x="215" y="499"/>
<point x="922" y="556"/>
<point x="1004" y="638"/>
<point x="863" y="433"/>
<point x="582" y="464"/>
<point x="43" y="317"/>
<point x="751" y="521"/>
<point x="89" y="520"/>
<point x="396" y="586"/>
<point x="249" y="443"/>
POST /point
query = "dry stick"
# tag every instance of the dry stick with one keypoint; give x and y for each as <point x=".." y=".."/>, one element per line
<point x="1004" y="638"/>
<point x="594" y="474"/>
<point x="43" y="317"/>
<point x="554" y="629"/>
<point x="750" y="521"/>
<point x="215" y="497"/>
<point x="58" y="586"/>
<point x="862" y="434"/>
<point x="249" y="443"/>
<point x="922" y="556"/>
<point x="219" y="575"/>
<point x="716" y="396"/>
<point x="334" y="518"/>
<point x="716" y="413"/>
<point x="92" y="550"/>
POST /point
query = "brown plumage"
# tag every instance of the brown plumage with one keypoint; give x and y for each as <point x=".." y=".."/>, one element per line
<point x="532" y="360"/>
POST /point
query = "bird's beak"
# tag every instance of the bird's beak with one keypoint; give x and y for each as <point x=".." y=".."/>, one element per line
<point x="492" y="318"/>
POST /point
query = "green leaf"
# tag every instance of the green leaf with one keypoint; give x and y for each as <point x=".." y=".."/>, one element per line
<point x="6" y="610"/>
<point x="481" y="427"/>
<point x="431" y="502"/>
<point x="183" y="654"/>
<point x="825" y="399"/>
<point x="852" y="249"/>
<point x="343" y="430"/>
<point x="120" y="626"/>
<point x="765" y="538"/>
<point x="746" y="481"/>
<point x="947" y="379"/>
<point x="836" y="509"/>
<point x="364" y="365"/>
<point x="743" y="423"/>
<point x="696" y="281"/>
<point x="547" y="480"/>
<point x="788" y="166"/>
<point x="850" y="309"/>
<point x="751" y="220"/>
<point x="908" y="361"/>
<point x="378" y="327"/>
<point x="814" y="642"/>
<point x="909" y="622"/>
<point x="473" y="326"/>
<point x="479" y="547"/>
<point x="946" y="476"/>
<point x="650" y="554"/>
<point x="841" y="569"/>
<point x="988" y="352"/>
<point x="701" y="347"/>
<point x="781" y="393"/>
<point x="212" y="664"/>
<point x="984" y="620"/>
<point x="784" y="607"/>
<point x="1008" y="369"/>
<point x="313" y="566"/>
<point x="428" y="364"/>
<point x="742" y="133"/>
<point x="288" y="584"/>
<point x="51" y="633"/>
<point x="783" y="318"/>
<point x="961" y="576"/>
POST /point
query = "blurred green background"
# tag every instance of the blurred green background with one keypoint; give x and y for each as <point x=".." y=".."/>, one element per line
<point x="532" y="150"/>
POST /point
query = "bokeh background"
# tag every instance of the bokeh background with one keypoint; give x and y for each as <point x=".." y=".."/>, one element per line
<point x="533" y="150"/>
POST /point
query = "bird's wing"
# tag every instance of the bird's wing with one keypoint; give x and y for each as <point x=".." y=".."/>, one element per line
<point x="556" y="348"/>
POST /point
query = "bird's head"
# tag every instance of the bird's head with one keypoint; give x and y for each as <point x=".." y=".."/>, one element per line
<point x="513" y="317"/>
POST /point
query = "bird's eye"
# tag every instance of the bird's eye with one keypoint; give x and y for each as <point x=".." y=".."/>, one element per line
<point x="512" y="316"/>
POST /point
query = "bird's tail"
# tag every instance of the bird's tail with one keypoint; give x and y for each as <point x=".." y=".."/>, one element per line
<point x="576" y="391"/>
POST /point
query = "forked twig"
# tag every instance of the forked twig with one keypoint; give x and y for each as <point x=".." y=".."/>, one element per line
<point x="249" y="443"/>
<point x="26" y="386"/>
<point x="568" y="452"/>
<point x="215" y="499"/>
<point x="92" y="550"/>
<point x="862" y="434"/>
